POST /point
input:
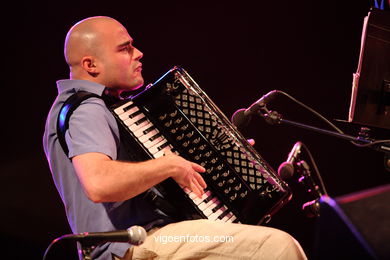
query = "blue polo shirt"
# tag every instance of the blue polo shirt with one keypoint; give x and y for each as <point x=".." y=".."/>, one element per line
<point x="92" y="128"/>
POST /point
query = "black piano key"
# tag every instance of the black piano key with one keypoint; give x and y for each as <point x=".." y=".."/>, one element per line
<point x="136" y="113"/>
<point x="163" y="146"/>
<point x="148" y="130"/>
<point x="141" y="120"/>
<point x="224" y="214"/>
<point x="154" y="137"/>
<point x="217" y="207"/>
<point x="208" y="198"/>
<point x="128" y="107"/>
<point x="236" y="220"/>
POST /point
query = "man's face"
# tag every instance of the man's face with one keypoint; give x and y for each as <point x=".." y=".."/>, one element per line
<point x="122" y="68"/>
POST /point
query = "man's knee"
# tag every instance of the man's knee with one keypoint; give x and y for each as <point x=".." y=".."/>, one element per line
<point x="281" y="245"/>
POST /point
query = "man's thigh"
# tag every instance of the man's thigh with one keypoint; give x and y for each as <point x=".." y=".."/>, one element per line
<point x="199" y="239"/>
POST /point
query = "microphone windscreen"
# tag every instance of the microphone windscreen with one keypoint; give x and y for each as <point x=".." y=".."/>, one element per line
<point x="286" y="170"/>
<point x="239" y="119"/>
<point x="137" y="235"/>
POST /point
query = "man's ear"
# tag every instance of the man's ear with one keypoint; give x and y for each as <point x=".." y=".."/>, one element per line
<point x="89" y="64"/>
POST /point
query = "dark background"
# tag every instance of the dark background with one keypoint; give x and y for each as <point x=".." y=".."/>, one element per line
<point x="235" y="51"/>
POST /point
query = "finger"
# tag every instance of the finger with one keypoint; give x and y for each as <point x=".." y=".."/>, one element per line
<point x="167" y="152"/>
<point x="251" y="142"/>
<point x="200" y="180"/>
<point x="194" y="187"/>
<point x="198" y="186"/>
<point x="197" y="167"/>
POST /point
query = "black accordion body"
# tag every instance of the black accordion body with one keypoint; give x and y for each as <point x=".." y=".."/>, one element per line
<point x="175" y="115"/>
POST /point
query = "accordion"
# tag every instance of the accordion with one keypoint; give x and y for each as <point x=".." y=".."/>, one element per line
<point x="174" y="114"/>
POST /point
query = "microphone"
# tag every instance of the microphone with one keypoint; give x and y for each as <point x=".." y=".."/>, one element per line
<point x="242" y="116"/>
<point x="134" y="235"/>
<point x="286" y="169"/>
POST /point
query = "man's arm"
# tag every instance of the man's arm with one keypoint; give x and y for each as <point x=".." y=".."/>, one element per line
<point x="107" y="180"/>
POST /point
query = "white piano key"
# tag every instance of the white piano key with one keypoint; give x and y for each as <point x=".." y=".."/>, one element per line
<point x="140" y="132"/>
<point x="131" y="121"/>
<point x="197" y="200"/>
<point x="150" y="144"/>
<point x="216" y="214"/>
<point x="209" y="211"/>
<point x="144" y="138"/>
<point x="207" y="193"/>
<point x="163" y="151"/>
<point x="129" y="112"/>
<point x="156" y="148"/>
<point x="119" y="110"/>
<point x="205" y="205"/>
<point x="233" y="218"/>
<point x="193" y="195"/>
<point x="135" y="127"/>
<point x="227" y="217"/>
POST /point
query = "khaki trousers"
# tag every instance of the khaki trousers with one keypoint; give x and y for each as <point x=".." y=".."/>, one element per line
<point x="204" y="239"/>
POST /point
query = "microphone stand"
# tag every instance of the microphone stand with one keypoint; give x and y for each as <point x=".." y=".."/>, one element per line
<point x="86" y="251"/>
<point x="273" y="117"/>
<point x="312" y="208"/>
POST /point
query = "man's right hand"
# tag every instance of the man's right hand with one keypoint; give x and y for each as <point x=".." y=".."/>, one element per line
<point x="186" y="173"/>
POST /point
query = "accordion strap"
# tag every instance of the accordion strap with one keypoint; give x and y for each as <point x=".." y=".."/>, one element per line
<point x="66" y="111"/>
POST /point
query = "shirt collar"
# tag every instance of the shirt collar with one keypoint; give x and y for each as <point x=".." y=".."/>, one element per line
<point x="74" y="85"/>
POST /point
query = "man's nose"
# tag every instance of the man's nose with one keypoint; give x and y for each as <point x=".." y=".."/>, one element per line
<point x="138" y="54"/>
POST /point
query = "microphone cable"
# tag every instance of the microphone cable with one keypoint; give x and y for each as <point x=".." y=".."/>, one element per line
<point x="52" y="244"/>
<point x="321" y="182"/>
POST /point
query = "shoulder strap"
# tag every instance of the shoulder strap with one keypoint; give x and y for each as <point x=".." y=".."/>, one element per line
<point x="66" y="111"/>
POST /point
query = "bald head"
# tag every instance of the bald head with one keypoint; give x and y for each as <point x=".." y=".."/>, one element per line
<point x="85" y="37"/>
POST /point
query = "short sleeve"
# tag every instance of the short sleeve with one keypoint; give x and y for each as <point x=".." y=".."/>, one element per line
<point x="92" y="128"/>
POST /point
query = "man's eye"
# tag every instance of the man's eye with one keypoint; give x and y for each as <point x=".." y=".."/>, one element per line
<point x="125" y="49"/>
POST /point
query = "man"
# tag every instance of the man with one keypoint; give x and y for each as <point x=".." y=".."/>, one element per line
<point x="101" y="191"/>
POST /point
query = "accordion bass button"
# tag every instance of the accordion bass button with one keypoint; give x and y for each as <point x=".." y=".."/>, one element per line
<point x="221" y="183"/>
<point x="162" y="117"/>
<point x="184" y="127"/>
<point x="197" y="157"/>
<point x="168" y="124"/>
<point x="238" y="187"/>
<point x="243" y="194"/>
<point x="210" y="169"/>
<point x="224" y="174"/>
<point x="173" y="114"/>
<point x="214" y="160"/>
<point x="233" y="197"/>
<point x="215" y="177"/>
<point x="208" y="154"/>
<point x="231" y="180"/>
<point x="196" y="140"/>
<point x="190" y="134"/>
<point x="179" y="120"/>
<point x="179" y="137"/>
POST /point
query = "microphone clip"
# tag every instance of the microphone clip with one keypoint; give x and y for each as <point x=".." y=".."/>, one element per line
<point x="271" y="117"/>
<point x="305" y="178"/>
<point x="86" y="251"/>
